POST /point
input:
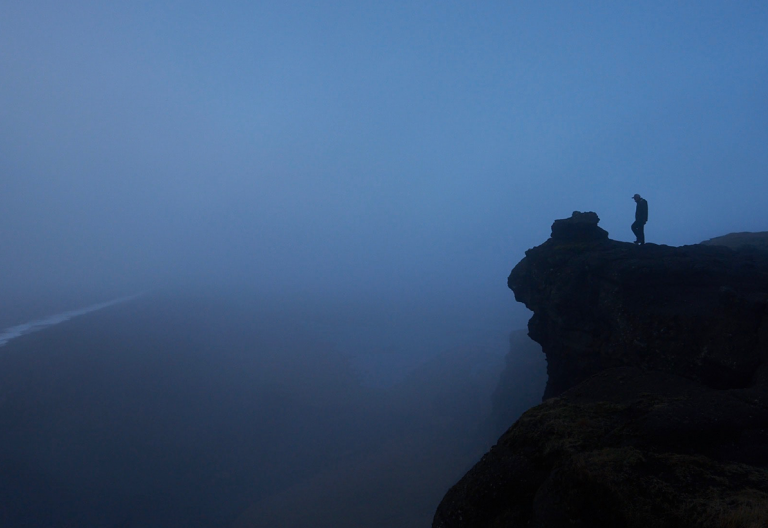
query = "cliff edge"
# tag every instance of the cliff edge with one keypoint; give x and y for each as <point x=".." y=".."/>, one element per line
<point x="656" y="407"/>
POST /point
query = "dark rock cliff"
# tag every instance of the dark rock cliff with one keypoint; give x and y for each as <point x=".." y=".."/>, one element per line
<point x="657" y="400"/>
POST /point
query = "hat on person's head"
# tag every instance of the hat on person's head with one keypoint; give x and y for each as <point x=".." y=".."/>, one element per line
<point x="636" y="196"/>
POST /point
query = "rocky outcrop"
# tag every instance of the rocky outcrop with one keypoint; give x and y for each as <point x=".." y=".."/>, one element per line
<point x="695" y="311"/>
<point x="657" y="409"/>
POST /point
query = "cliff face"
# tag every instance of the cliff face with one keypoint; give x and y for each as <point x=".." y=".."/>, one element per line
<point x="657" y="409"/>
<point x="597" y="303"/>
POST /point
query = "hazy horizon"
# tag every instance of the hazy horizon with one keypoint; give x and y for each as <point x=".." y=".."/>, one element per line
<point x="367" y="150"/>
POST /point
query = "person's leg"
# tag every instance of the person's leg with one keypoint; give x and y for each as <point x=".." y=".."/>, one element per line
<point x="641" y="234"/>
<point x="636" y="226"/>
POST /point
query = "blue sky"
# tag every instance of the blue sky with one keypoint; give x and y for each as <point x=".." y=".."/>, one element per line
<point x="366" y="147"/>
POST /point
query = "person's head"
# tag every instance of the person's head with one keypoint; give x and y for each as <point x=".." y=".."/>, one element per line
<point x="636" y="197"/>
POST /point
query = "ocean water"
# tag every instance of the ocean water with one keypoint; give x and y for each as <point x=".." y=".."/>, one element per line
<point x="39" y="324"/>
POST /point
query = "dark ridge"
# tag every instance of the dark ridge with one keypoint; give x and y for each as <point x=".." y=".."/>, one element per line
<point x="658" y="390"/>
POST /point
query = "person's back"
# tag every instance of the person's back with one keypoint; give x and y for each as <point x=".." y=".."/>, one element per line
<point x="641" y="217"/>
<point x="641" y="211"/>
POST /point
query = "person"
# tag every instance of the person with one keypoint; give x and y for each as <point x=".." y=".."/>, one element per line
<point x="641" y="217"/>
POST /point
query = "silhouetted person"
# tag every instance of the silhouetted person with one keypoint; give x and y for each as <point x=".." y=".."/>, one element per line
<point x="641" y="217"/>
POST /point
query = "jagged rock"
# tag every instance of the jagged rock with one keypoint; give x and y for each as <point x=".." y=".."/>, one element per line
<point x="579" y="227"/>
<point x="658" y="392"/>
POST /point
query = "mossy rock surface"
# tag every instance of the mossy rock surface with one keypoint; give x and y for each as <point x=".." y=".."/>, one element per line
<point x="580" y="461"/>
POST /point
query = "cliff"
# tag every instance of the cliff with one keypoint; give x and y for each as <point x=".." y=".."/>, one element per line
<point x="656" y="407"/>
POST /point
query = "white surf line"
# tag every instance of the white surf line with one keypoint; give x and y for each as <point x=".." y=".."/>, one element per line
<point x="38" y="324"/>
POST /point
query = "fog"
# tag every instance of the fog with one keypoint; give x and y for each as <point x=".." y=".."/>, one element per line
<point x="365" y="149"/>
<point x="342" y="187"/>
<point x="226" y="411"/>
